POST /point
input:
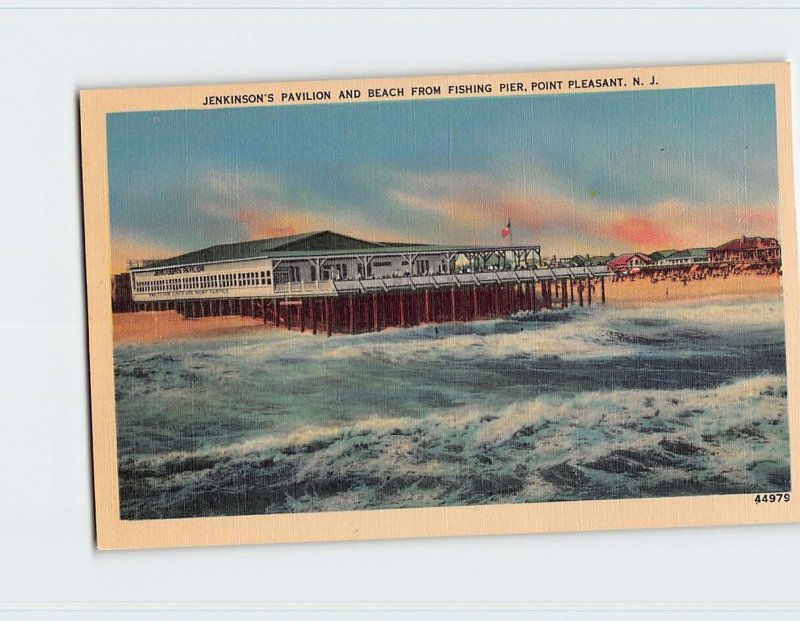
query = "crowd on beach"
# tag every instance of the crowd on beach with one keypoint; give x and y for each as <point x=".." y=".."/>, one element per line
<point x="686" y="274"/>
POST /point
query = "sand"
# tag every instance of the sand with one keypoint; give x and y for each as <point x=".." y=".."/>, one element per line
<point x="149" y="327"/>
<point x="642" y="291"/>
<point x="152" y="326"/>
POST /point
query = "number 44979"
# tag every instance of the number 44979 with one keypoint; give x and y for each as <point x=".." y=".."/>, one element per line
<point x="771" y="498"/>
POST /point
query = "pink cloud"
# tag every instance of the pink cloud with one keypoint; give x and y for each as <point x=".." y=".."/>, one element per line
<point x="638" y="231"/>
<point x="124" y="249"/>
<point x="563" y="226"/>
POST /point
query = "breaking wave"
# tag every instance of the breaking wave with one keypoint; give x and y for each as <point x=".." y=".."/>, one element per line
<point x="569" y="405"/>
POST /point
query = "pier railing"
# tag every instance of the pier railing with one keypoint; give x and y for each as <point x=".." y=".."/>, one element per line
<point x="405" y="283"/>
<point x="321" y="286"/>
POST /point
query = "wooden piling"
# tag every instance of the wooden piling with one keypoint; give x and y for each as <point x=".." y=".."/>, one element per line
<point x="375" y="326"/>
<point x="351" y="318"/>
<point x="328" y="316"/>
<point x="427" y="305"/>
<point x="288" y="311"/>
<point x="602" y="290"/>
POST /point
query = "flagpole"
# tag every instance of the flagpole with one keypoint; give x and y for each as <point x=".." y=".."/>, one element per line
<point x="506" y="232"/>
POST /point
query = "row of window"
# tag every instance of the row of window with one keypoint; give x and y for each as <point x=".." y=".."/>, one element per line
<point x="211" y="281"/>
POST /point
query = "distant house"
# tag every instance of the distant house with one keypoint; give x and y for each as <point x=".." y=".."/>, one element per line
<point x="747" y="249"/>
<point x="626" y="262"/>
<point x="690" y="256"/>
<point x="660" y="255"/>
<point x="600" y="260"/>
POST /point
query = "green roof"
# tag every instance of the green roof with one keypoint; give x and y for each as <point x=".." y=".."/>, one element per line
<point x="598" y="260"/>
<point x="305" y="244"/>
<point x="662" y="254"/>
<point x="690" y="253"/>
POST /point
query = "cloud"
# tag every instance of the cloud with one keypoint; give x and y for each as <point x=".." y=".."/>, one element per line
<point x="637" y="231"/>
<point x="457" y="208"/>
<point x="566" y="226"/>
<point x="127" y="248"/>
<point x="277" y="223"/>
<point x="224" y="195"/>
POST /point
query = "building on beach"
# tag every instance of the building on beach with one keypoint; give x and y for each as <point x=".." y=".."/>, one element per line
<point x="690" y="256"/>
<point x="747" y="250"/>
<point x="353" y="284"/>
<point x="628" y="261"/>
<point x="660" y="255"/>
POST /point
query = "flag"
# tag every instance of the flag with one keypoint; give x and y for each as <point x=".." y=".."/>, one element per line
<point x="505" y="232"/>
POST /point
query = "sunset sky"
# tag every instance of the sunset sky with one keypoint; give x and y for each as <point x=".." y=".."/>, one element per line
<point x="576" y="173"/>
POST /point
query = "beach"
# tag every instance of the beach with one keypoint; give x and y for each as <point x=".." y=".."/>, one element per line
<point x="155" y="326"/>
<point x="643" y="291"/>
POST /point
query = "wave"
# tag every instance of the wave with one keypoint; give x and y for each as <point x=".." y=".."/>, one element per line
<point x="598" y="444"/>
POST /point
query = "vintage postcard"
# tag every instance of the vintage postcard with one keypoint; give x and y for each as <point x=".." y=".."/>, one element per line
<point x="451" y="305"/>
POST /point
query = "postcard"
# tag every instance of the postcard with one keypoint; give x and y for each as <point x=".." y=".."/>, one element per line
<point x="436" y="306"/>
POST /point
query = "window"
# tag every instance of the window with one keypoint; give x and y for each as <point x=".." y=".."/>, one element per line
<point x="340" y="271"/>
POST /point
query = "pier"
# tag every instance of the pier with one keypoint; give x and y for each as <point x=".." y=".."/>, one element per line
<point x="334" y="284"/>
<point x="371" y="305"/>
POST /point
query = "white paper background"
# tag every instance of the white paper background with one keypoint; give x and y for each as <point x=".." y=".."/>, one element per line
<point x="46" y="541"/>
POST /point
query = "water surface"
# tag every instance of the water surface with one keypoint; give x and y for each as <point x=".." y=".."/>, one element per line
<point x="586" y="403"/>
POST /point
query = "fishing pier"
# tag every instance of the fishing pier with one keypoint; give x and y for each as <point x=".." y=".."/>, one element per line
<point x="330" y="283"/>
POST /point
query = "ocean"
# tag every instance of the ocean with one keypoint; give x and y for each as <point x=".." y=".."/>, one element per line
<point x="584" y="403"/>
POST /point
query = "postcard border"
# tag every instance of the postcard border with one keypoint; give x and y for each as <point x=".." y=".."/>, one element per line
<point x="115" y="533"/>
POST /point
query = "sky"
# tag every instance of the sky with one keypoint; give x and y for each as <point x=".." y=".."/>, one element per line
<point x="576" y="173"/>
